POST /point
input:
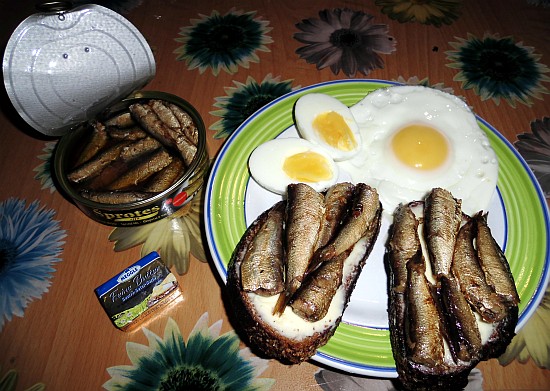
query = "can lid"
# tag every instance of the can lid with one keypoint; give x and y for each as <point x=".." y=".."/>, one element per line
<point x="63" y="67"/>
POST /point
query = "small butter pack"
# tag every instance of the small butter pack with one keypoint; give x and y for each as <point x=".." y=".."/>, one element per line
<point x="140" y="290"/>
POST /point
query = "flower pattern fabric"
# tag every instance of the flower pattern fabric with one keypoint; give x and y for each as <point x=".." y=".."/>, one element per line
<point x="430" y="12"/>
<point x="174" y="237"/>
<point x="535" y="149"/>
<point x="8" y="382"/>
<point x="208" y="361"/>
<point x="340" y="53"/>
<point x="499" y="68"/>
<point x="542" y="3"/>
<point x="30" y="244"/>
<point x="44" y="170"/>
<point x="243" y="100"/>
<point x="223" y="42"/>
<point x="533" y="340"/>
<point x="344" y="40"/>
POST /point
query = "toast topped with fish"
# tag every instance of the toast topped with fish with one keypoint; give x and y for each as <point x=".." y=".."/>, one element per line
<point x="293" y="271"/>
<point x="452" y="297"/>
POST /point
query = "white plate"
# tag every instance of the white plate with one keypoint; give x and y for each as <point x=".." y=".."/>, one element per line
<point x="518" y="217"/>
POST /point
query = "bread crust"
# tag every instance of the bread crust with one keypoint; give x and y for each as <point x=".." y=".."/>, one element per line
<point x="414" y="376"/>
<point x="260" y="335"/>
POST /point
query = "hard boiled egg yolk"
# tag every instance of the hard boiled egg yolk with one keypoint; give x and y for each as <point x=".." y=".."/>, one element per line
<point x="420" y="146"/>
<point x="307" y="167"/>
<point x="334" y="130"/>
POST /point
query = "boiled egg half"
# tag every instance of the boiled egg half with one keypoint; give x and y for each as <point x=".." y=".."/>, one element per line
<point x="277" y="163"/>
<point x="327" y="122"/>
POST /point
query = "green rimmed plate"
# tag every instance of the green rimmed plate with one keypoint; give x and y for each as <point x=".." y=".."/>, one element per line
<point x="518" y="217"/>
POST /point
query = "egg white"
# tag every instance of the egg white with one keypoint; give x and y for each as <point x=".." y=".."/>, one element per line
<point x="309" y="106"/>
<point x="471" y="169"/>
<point x="266" y="164"/>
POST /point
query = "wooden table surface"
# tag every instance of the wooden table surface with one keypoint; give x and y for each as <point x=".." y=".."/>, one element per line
<point x="64" y="339"/>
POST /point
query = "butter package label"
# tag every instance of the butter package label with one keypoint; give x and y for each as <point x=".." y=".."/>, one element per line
<point x="136" y="292"/>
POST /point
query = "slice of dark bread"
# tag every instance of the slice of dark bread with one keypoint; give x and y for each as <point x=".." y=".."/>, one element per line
<point x="452" y="373"/>
<point x="290" y="338"/>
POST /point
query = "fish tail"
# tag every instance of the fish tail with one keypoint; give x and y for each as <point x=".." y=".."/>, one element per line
<point x="282" y="302"/>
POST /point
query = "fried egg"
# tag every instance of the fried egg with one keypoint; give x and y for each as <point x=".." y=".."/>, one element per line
<point x="327" y="122"/>
<point x="417" y="138"/>
<point x="277" y="163"/>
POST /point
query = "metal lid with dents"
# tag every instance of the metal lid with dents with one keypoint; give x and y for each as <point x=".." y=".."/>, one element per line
<point x="65" y="65"/>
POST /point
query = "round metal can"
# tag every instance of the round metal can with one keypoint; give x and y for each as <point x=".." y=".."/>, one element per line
<point x="149" y="210"/>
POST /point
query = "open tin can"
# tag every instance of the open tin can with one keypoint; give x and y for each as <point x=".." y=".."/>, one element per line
<point x="147" y="210"/>
<point x="67" y="67"/>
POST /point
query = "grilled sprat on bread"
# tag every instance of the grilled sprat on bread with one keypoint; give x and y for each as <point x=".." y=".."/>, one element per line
<point x="452" y="297"/>
<point x="293" y="271"/>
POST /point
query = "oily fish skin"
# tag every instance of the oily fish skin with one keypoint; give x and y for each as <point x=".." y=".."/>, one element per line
<point x="135" y="154"/>
<point x="326" y="239"/>
<point x="446" y="311"/>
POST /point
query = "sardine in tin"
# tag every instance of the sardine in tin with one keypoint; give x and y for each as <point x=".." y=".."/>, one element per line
<point x="65" y="68"/>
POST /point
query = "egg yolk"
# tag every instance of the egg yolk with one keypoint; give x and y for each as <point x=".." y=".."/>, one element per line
<point x="420" y="146"/>
<point x="334" y="130"/>
<point x="307" y="167"/>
